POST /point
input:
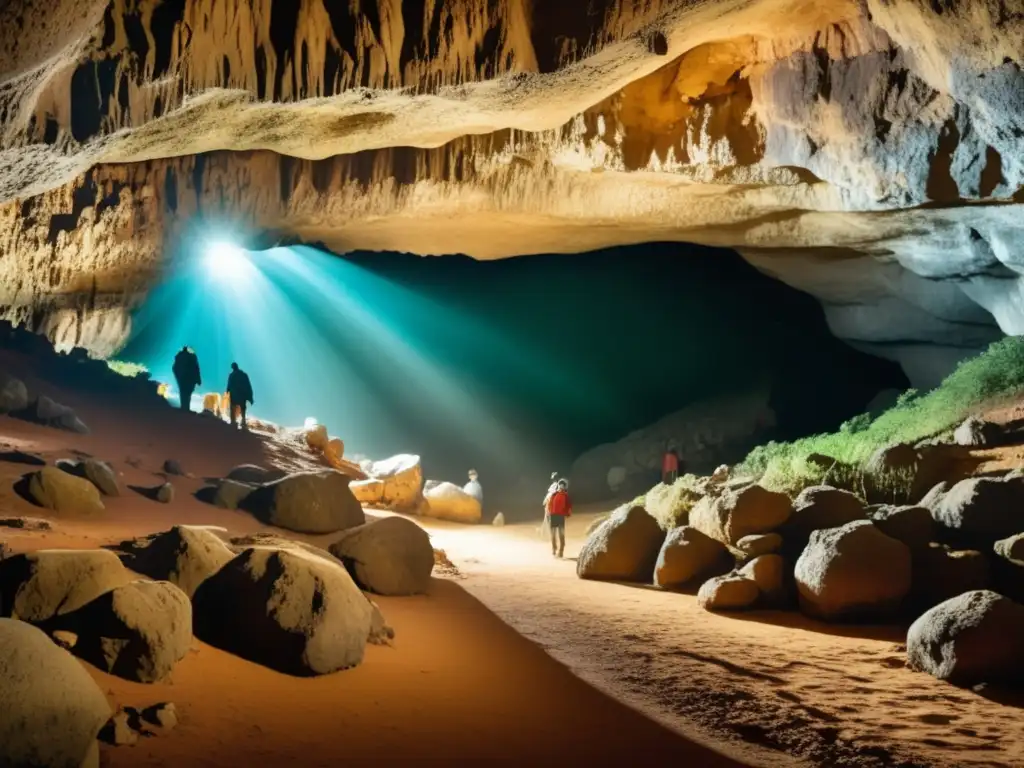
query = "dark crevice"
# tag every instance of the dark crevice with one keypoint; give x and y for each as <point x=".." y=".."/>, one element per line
<point x="284" y="21"/>
<point x="992" y="174"/>
<point x="941" y="186"/>
<point x="92" y="85"/>
<point x="166" y="17"/>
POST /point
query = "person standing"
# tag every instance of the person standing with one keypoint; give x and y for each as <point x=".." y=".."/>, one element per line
<point x="239" y="392"/>
<point x="670" y="464"/>
<point x="186" y="373"/>
<point x="559" y="507"/>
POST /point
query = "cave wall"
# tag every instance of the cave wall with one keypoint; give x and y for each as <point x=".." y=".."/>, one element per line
<point x="868" y="152"/>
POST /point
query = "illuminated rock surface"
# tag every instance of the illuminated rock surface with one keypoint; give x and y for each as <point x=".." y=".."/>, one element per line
<point x="866" y="152"/>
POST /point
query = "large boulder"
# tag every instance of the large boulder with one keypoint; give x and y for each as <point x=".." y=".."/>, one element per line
<point x="852" y="571"/>
<point x="818" y="508"/>
<point x="185" y="556"/>
<point x="686" y="555"/>
<point x="670" y="505"/>
<point x="401" y="482"/>
<point x="51" y="710"/>
<point x="13" y="394"/>
<point x="52" y="414"/>
<point x="624" y="547"/>
<point x="138" y="631"/>
<point x="736" y="514"/>
<point x="391" y="556"/>
<point x="769" y="573"/>
<point x="38" y="586"/>
<point x="903" y="473"/>
<point x="941" y="573"/>
<point x="307" y="502"/>
<point x="99" y="473"/>
<point x="728" y="593"/>
<point x="972" y="638"/>
<point x="447" y="501"/>
<point x="63" y="493"/>
<point x="979" y="511"/>
<point x="286" y="609"/>
<point x="911" y="525"/>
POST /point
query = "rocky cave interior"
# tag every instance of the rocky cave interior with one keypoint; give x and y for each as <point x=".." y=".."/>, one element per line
<point x="865" y="153"/>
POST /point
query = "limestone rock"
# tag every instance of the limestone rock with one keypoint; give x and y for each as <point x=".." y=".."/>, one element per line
<point x="59" y="416"/>
<point x="138" y="631"/>
<point x="735" y="514"/>
<point x="307" y="502"/>
<point x="390" y="556"/>
<point x="99" y="473"/>
<point x="118" y="730"/>
<point x="51" y="711"/>
<point x="979" y="511"/>
<point x="253" y="474"/>
<point x="231" y="494"/>
<point x="286" y="609"/>
<point x="911" y="525"/>
<point x="13" y="394"/>
<point x="447" y="501"/>
<point x="164" y="715"/>
<point x="769" y="573"/>
<point x="38" y="586"/>
<point x="759" y="544"/>
<point x="972" y="638"/>
<point x="185" y="556"/>
<point x="817" y="508"/>
<point x="852" y="571"/>
<point x="1011" y="548"/>
<point x="687" y="555"/>
<point x="316" y="438"/>
<point x="941" y="573"/>
<point x="727" y="593"/>
<point x="65" y="494"/>
<point x="165" y="493"/>
<point x="400" y="481"/>
<point x="625" y="547"/>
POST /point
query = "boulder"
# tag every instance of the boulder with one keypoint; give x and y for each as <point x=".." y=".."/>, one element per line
<point x="163" y="715"/>
<point x="231" y="494"/>
<point x="727" y="593"/>
<point x="51" y="710"/>
<point x="979" y="511"/>
<point x="1008" y="568"/>
<point x="401" y="479"/>
<point x="1011" y="548"/>
<point x="972" y="638"/>
<point x="173" y="467"/>
<point x="446" y="501"/>
<point x="852" y="571"/>
<point x="317" y="438"/>
<point x="625" y="547"/>
<point x="911" y="525"/>
<point x="934" y="497"/>
<point x="670" y="505"/>
<point x="164" y="493"/>
<point x="118" y="731"/>
<point x="903" y="473"/>
<point x="13" y="394"/>
<point x="735" y="514"/>
<point x="286" y="609"/>
<point x="53" y="414"/>
<point x="390" y="556"/>
<point x="817" y="508"/>
<point x="185" y="556"/>
<point x="307" y="502"/>
<point x="369" y="493"/>
<point x="99" y="473"/>
<point x="769" y="573"/>
<point x="499" y="520"/>
<point x="38" y="586"/>
<point x="252" y="474"/>
<point x="63" y="493"/>
<point x="759" y="544"/>
<point x="941" y="573"/>
<point x="138" y="631"/>
<point x="686" y="555"/>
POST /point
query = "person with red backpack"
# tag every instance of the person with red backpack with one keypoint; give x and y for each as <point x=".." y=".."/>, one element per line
<point x="670" y="464"/>
<point x="559" y="507"/>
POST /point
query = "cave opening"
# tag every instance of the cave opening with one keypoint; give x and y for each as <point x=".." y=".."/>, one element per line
<point x="514" y="367"/>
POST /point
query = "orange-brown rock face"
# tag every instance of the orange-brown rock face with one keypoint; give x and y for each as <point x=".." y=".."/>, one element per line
<point x="867" y="151"/>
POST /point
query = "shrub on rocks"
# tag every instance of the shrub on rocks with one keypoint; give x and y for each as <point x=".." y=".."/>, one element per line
<point x="185" y="556"/>
<point x="307" y="502"/>
<point x="851" y="572"/>
<point x="390" y="556"/>
<point x="979" y="511"/>
<point x="286" y="609"/>
<point x="63" y="493"/>
<point x="51" y="710"/>
<point x="735" y="514"/>
<point x="975" y="637"/>
<point x="941" y="573"/>
<point x="728" y="593"/>
<point x="911" y="525"/>
<point x="138" y="631"/>
<point x="38" y="586"/>
<point x="671" y="504"/>
<point x="624" y="547"/>
<point x="447" y="501"/>
<point x="686" y="555"/>
<point x="99" y="473"/>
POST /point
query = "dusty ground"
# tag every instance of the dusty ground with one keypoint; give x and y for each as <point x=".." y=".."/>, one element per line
<point x="461" y="686"/>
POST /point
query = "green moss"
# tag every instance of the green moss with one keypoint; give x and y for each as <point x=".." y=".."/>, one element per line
<point x="127" y="369"/>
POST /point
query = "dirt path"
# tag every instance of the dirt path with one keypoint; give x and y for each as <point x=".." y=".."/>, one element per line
<point x="830" y="695"/>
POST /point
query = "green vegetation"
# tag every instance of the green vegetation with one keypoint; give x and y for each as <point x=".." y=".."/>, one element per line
<point x="996" y="373"/>
<point x="670" y="505"/>
<point x="125" y="368"/>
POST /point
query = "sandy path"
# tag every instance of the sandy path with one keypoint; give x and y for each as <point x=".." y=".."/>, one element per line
<point x="775" y="680"/>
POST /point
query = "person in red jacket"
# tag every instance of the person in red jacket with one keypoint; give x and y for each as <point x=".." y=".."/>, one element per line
<point x="559" y="507"/>
<point x="670" y="465"/>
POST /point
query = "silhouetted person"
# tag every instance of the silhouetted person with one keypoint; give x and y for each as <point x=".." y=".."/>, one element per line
<point x="240" y="392"/>
<point x="670" y="465"/>
<point x="186" y="373"/>
<point x="559" y="507"/>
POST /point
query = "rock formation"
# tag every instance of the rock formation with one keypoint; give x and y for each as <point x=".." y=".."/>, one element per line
<point x="865" y="151"/>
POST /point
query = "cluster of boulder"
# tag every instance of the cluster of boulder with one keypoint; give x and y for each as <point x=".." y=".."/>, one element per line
<point x="290" y="606"/>
<point x="954" y="560"/>
<point x="16" y="400"/>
